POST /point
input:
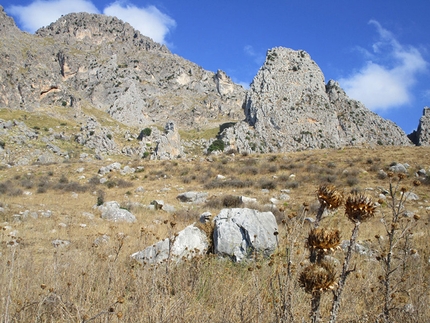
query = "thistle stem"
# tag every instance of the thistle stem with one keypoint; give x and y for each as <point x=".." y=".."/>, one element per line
<point x="315" y="304"/>
<point x="345" y="272"/>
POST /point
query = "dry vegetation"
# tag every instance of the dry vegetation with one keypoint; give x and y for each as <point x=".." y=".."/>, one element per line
<point x="94" y="281"/>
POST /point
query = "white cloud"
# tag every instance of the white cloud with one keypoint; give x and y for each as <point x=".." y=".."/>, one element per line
<point x="149" y="21"/>
<point x="42" y="12"/>
<point x="387" y="78"/>
<point x="257" y="58"/>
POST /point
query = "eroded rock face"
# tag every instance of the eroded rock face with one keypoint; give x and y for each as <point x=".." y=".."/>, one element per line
<point x="421" y="137"/>
<point x="289" y="107"/>
<point x="239" y="232"/>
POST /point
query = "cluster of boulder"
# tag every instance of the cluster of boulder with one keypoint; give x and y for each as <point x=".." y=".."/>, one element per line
<point x="238" y="233"/>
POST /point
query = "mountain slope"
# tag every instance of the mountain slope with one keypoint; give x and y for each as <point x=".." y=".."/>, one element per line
<point x="95" y="60"/>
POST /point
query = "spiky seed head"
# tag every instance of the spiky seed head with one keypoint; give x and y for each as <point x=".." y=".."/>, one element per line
<point x="329" y="196"/>
<point x="359" y="208"/>
<point x="323" y="239"/>
<point x="318" y="277"/>
<point x="401" y="176"/>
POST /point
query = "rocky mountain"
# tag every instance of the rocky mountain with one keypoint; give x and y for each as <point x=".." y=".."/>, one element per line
<point x="110" y="81"/>
<point x="289" y="107"/>
<point x="96" y="60"/>
<point x="421" y="137"/>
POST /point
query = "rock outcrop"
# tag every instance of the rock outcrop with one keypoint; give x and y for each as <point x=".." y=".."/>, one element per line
<point x="289" y="107"/>
<point x="169" y="143"/>
<point x="421" y="136"/>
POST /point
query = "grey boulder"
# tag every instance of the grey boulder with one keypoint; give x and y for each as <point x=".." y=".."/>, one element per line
<point x="192" y="197"/>
<point x="188" y="243"/>
<point x="239" y="232"/>
<point x="113" y="212"/>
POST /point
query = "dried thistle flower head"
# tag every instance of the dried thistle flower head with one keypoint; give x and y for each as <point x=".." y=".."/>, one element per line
<point x="323" y="239"/>
<point x="359" y="208"/>
<point x="318" y="277"/>
<point x="329" y="196"/>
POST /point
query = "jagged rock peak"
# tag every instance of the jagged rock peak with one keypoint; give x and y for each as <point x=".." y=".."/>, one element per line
<point x="7" y="24"/>
<point x="289" y="107"/>
<point x="98" y="28"/>
<point x="421" y="136"/>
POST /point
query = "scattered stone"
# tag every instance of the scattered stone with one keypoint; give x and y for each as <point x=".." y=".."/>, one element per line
<point x="411" y="196"/>
<point x="157" y="204"/>
<point x="192" y="197"/>
<point x="139" y="189"/>
<point x="398" y="168"/>
<point x="127" y="170"/>
<point x="205" y="217"/>
<point x="422" y="172"/>
<point x="358" y="248"/>
<point x="107" y="169"/>
<point x="57" y="243"/>
<point x="248" y="200"/>
<point x="113" y="212"/>
<point x="104" y="239"/>
<point x="88" y="215"/>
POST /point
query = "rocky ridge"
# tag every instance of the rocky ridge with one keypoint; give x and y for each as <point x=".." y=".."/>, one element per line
<point x="289" y="107"/>
<point x="105" y="77"/>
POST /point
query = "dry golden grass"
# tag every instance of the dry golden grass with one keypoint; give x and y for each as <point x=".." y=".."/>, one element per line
<point x="97" y="282"/>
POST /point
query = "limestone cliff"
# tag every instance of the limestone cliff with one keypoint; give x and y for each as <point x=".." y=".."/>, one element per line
<point x="289" y="107"/>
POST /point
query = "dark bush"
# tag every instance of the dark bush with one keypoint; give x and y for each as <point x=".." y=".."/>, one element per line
<point x="267" y="184"/>
<point x="249" y="170"/>
<point x="100" y="197"/>
<point x="95" y="180"/>
<point x="352" y="181"/>
<point x="292" y="184"/>
<point x="63" y="180"/>
<point x="144" y="133"/>
<point x="232" y="201"/>
<point x="218" y="144"/>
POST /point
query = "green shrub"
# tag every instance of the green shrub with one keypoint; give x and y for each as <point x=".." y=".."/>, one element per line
<point x="216" y="145"/>
<point x="144" y="133"/>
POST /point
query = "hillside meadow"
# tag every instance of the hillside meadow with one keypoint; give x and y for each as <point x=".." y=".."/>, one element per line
<point x="93" y="279"/>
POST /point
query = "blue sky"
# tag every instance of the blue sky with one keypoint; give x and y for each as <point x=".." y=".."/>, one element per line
<point x="379" y="51"/>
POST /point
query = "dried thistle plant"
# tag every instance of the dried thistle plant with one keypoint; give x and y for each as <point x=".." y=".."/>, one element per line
<point x="318" y="277"/>
<point x="359" y="208"/>
<point x="323" y="239"/>
<point x="329" y="196"/>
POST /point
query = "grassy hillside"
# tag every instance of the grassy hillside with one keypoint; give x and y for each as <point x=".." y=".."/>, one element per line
<point x="88" y="280"/>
